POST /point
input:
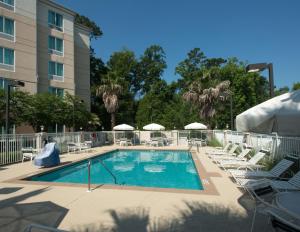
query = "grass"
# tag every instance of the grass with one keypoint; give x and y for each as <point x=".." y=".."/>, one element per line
<point x="214" y="143"/>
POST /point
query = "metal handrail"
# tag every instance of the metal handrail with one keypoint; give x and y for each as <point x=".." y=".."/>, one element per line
<point x="109" y="171"/>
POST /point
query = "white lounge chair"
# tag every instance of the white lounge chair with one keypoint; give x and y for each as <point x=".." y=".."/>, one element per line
<point x="244" y="177"/>
<point x="230" y="152"/>
<point x="28" y="153"/>
<point x="279" y="185"/>
<point x="241" y="156"/>
<point x="250" y="164"/>
<point x="220" y="149"/>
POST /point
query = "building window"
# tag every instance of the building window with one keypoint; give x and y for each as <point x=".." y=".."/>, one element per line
<point x="7" y="58"/>
<point x="8" y="4"/>
<point x="55" y="45"/>
<point x="55" y="20"/>
<point x="56" y="91"/>
<point x="7" y="28"/>
<point x="56" y="71"/>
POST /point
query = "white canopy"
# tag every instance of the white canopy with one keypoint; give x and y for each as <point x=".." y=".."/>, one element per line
<point x="154" y="127"/>
<point x="280" y="114"/>
<point x="123" y="127"/>
<point x="195" y="126"/>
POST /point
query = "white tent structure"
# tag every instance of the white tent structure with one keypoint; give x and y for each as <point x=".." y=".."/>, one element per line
<point x="280" y="114"/>
<point x="123" y="127"/>
<point x="195" y="126"/>
<point x="154" y="127"/>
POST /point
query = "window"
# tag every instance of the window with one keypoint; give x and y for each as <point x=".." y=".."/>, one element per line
<point x="8" y="4"/>
<point x="56" y="91"/>
<point x="7" y="58"/>
<point x="55" y="20"/>
<point x="55" y="45"/>
<point x="7" y="26"/>
<point x="56" y="71"/>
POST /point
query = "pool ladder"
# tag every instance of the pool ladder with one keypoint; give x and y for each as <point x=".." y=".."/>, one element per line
<point x="106" y="168"/>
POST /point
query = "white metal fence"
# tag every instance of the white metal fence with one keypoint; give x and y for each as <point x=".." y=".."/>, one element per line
<point x="11" y="145"/>
<point x="278" y="146"/>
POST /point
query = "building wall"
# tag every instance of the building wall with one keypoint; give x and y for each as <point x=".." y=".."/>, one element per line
<point x="43" y="32"/>
<point x="24" y="45"/>
<point x="82" y="64"/>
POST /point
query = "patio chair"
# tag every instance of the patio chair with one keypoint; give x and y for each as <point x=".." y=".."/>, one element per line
<point x="241" y="156"/>
<point x="282" y="219"/>
<point x="279" y="185"/>
<point x="230" y="152"/>
<point x="220" y="149"/>
<point x="28" y="153"/>
<point x="265" y="203"/>
<point x="243" y="177"/>
<point x="239" y="164"/>
<point x="48" y="157"/>
<point x="73" y="147"/>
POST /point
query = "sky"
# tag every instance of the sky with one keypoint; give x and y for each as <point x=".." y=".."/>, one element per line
<point x="254" y="31"/>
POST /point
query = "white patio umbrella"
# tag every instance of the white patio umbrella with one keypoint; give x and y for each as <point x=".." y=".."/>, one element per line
<point x="154" y="127"/>
<point x="123" y="127"/>
<point x="195" y="126"/>
<point x="280" y="114"/>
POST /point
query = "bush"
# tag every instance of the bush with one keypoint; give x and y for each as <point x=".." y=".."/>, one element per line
<point x="214" y="143"/>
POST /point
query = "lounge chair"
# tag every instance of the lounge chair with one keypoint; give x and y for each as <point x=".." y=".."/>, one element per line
<point x="220" y="149"/>
<point x="48" y="157"/>
<point x="230" y="152"/>
<point x="250" y="164"/>
<point x="279" y="185"/>
<point x="28" y="153"/>
<point x="243" y="177"/>
<point x="241" y="156"/>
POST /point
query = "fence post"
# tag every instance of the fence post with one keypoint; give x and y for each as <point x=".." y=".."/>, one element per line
<point x="247" y="138"/>
<point x="225" y="141"/>
<point x="39" y="140"/>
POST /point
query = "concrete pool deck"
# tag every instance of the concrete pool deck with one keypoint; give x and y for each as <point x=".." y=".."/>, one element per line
<point x="72" y="208"/>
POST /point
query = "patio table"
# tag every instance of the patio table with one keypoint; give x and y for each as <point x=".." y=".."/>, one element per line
<point x="289" y="202"/>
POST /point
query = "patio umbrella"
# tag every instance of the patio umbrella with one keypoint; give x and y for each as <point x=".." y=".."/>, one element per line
<point x="154" y="127"/>
<point x="195" y="126"/>
<point x="280" y="114"/>
<point x="123" y="127"/>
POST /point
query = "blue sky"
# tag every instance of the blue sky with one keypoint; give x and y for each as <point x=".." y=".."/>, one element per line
<point x="251" y="30"/>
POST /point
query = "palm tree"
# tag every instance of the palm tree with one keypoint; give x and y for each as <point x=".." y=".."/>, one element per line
<point x="110" y="90"/>
<point x="206" y="98"/>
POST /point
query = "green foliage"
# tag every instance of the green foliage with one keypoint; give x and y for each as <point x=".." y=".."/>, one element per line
<point x="214" y="143"/>
<point x="95" y="29"/>
<point x="150" y="68"/>
<point x="296" y="86"/>
<point x="281" y="90"/>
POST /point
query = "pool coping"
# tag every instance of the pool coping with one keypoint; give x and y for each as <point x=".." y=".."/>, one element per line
<point x="204" y="175"/>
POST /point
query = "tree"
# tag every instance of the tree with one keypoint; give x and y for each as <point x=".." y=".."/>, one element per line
<point x="110" y="90"/>
<point x="96" y="32"/>
<point x="282" y="90"/>
<point x="206" y="98"/>
<point x="150" y="68"/>
<point x="296" y="86"/>
<point x="19" y="107"/>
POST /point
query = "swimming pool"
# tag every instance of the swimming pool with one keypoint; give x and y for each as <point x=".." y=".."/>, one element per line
<point x="144" y="168"/>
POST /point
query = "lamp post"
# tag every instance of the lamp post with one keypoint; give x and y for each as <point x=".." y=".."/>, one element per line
<point x="223" y="97"/>
<point x="260" y="67"/>
<point x="10" y="83"/>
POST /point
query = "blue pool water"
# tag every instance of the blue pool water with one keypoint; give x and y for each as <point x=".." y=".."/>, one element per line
<point x="146" y="168"/>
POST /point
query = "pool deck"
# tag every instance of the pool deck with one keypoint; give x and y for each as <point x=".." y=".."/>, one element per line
<point x="105" y="208"/>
